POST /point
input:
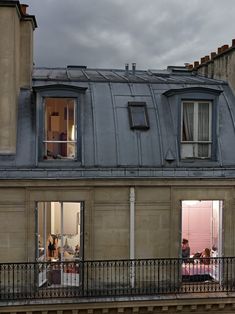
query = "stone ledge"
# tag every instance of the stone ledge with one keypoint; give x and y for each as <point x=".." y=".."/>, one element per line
<point x="213" y="303"/>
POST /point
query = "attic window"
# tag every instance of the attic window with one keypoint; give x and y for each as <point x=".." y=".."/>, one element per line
<point x="138" y="115"/>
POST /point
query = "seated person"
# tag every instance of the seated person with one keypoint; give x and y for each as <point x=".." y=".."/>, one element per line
<point x="214" y="251"/>
<point x="185" y="249"/>
<point x="205" y="256"/>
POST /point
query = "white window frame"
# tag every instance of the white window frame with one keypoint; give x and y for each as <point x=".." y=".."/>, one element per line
<point x="194" y="143"/>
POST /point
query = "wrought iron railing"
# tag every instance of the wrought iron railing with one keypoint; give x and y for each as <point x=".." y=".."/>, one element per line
<point x="115" y="278"/>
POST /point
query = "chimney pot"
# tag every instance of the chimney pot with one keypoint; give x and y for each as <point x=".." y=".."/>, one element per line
<point x="190" y="66"/>
<point x="133" y="68"/>
<point x="24" y="8"/>
<point x="224" y="48"/>
<point x="213" y="54"/>
<point x="202" y="60"/>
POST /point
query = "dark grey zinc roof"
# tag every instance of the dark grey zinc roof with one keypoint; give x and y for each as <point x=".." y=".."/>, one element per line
<point x="82" y="74"/>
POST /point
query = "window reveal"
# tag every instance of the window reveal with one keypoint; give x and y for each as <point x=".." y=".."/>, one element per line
<point x="60" y="128"/>
<point x="196" y="137"/>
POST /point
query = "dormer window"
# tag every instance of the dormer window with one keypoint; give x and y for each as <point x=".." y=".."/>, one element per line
<point x="196" y="129"/>
<point x="138" y="115"/>
<point x="59" y="109"/>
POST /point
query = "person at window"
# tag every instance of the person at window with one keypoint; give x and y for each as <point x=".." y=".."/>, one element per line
<point x="52" y="245"/>
<point x="185" y="249"/>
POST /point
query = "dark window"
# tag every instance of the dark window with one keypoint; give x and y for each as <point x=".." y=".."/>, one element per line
<point x="138" y="115"/>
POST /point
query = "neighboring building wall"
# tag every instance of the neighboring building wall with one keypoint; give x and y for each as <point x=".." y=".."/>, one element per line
<point x="220" y="65"/>
<point x="9" y="83"/>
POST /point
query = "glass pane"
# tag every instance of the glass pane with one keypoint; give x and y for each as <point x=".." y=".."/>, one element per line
<point x="188" y="121"/>
<point x="60" y="151"/>
<point x="203" y="122"/>
<point x="138" y="116"/>
<point x="203" y="150"/>
<point x="60" y="126"/>
<point x="58" y="239"/>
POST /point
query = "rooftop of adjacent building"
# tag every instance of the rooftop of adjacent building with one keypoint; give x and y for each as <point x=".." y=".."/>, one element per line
<point x="74" y="73"/>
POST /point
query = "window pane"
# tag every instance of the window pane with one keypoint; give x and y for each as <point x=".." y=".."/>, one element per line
<point x="203" y="122"/>
<point x="138" y="116"/>
<point x="188" y="121"/>
<point x="60" y="150"/>
<point x="204" y="150"/>
<point x="59" y="128"/>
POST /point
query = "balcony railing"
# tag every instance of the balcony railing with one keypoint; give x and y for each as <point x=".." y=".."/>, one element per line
<point x="116" y="278"/>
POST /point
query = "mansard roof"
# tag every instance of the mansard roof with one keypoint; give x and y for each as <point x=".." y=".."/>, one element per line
<point x="109" y="146"/>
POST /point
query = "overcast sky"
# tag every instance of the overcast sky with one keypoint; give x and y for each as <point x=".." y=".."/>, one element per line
<point x="110" y="33"/>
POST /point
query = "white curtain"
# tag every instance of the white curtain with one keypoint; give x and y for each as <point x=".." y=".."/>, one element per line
<point x="203" y="129"/>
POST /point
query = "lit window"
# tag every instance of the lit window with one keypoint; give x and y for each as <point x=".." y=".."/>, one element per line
<point x="59" y="128"/>
<point x="138" y="115"/>
<point x="196" y="135"/>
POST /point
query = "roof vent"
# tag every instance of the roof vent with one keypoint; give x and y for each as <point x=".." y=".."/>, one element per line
<point x="76" y="67"/>
<point x="178" y="69"/>
<point x="169" y="156"/>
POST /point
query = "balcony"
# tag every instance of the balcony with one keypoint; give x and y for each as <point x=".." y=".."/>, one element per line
<point x="116" y="278"/>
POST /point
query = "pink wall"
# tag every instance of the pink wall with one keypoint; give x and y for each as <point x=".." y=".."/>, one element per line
<point x="200" y="224"/>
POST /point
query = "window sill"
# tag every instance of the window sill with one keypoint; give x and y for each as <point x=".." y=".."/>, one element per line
<point x="197" y="162"/>
<point x="59" y="163"/>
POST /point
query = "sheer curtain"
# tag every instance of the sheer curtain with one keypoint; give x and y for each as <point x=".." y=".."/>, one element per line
<point x="203" y="129"/>
<point x="188" y="125"/>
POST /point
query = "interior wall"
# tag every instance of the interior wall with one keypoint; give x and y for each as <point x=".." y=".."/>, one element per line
<point x="200" y="224"/>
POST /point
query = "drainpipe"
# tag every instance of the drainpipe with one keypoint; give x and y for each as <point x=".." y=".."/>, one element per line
<point x="132" y="234"/>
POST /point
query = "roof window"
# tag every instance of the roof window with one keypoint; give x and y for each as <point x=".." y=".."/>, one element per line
<point x="138" y="115"/>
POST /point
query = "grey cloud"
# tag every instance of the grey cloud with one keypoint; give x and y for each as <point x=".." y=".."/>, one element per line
<point x="108" y="33"/>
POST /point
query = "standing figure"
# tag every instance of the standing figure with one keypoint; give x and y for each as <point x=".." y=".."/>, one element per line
<point x="185" y="249"/>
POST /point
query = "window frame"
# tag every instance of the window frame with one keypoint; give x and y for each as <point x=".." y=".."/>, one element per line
<point x="138" y="104"/>
<point x="196" y="93"/>
<point x="58" y="91"/>
<point x="196" y="141"/>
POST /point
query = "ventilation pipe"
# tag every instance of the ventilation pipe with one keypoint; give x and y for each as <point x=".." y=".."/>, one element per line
<point x="126" y="69"/>
<point x="133" y="68"/>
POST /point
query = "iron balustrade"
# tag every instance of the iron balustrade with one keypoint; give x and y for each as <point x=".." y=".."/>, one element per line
<point x="40" y="280"/>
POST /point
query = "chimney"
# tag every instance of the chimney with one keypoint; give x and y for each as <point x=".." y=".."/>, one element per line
<point x="224" y="48"/>
<point x="207" y="58"/>
<point x="126" y="69"/>
<point x="133" y="68"/>
<point x="213" y="54"/>
<point x="24" y="8"/>
<point x="196" y="64"/>
<point x="26" y="48"/>
<point x="219" y="50"/>
<point x="15" y="39"/>
<point x="233" y="42"/>
<point x="202" y="60"/>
